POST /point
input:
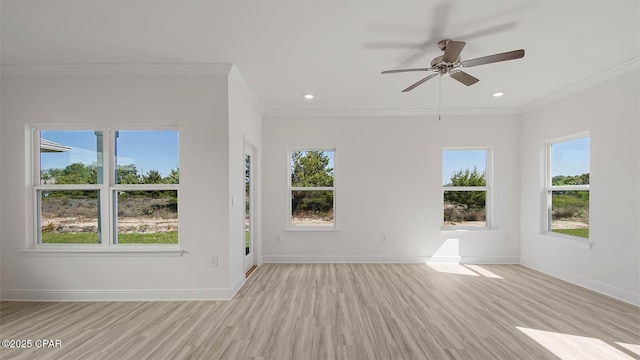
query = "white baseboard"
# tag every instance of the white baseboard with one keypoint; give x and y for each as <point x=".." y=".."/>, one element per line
<point x="302" y="259"/>
<point x="595" y="285"/>
<point x="120" y="295"/>
<point x="292" y="259"/>
<point x="233" y="290"/>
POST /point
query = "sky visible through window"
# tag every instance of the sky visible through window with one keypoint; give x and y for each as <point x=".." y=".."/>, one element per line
<point x="570" y="158"/>
<point x="329" y="153"/>
<point x="148" y="150"/>
<point x="456" y="160"/>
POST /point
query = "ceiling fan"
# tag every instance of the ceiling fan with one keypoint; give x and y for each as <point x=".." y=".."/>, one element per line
<point x="449" y="63"/>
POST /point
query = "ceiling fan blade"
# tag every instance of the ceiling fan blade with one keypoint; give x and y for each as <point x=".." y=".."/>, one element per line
<point x="453" y="50"/>
<point x="420" y="82"/>
<point x="510" y="55"/>
<point x="407" y="70"/>
<point x="464" y="78"/>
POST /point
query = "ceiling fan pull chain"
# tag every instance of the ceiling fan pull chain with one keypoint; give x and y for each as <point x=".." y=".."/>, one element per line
<point x="440" y="99"/>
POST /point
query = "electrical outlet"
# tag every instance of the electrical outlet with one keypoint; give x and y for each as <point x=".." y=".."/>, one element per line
<point x="214" y="261"/>
<point x="384" y="237"/>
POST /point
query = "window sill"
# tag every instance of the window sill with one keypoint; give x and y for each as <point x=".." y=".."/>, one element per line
<point x="467" y="229"/>
<point x="100" y="251"/>
<point x="313" y="229"/>
<point x="570" y="240"/>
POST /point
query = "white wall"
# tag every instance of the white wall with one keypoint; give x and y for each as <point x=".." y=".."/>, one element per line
<point x="2" y="200"/>
<point x="610" y="111"/>
<point x="388" y="173"/>
<point x="193" y="98"/>
<point x="388" y="181"/>
<point x="245" y="125"/>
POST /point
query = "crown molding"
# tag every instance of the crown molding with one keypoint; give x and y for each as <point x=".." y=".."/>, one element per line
<point x="620" y="69"/>
<point x="388" y="112"/>
<point x="224" y="69"/>
<point x="116" y="69"/>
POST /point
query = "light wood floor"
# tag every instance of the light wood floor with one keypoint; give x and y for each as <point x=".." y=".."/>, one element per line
<point x="345" y="311"/>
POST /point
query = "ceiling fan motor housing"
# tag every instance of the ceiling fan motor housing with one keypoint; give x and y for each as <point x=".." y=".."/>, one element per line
<point x="444" y="67"/>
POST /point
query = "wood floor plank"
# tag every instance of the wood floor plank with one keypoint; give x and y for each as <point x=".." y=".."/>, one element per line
<point x="344" y="311"/>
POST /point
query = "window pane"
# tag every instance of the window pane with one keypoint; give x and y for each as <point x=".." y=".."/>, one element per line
<point x="146" y="216"/>
<point x="70" y="157"/>
<point x="570" y="162"/>
<point x="247" y="204"/>
<point x="464" y="167"/>
<point x="312" y="168"/>
<point x="312" y="208"/>
<point x="465" y="208"/>
<point x="69" y="217"/>
<point x="570" y="212"/>
<point x="147" y="157"/>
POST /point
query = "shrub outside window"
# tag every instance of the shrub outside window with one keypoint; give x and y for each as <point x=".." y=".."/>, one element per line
<point x="568" y="167"/>
<point x="311" y="189"/>
<point x="465" y="187"/>
<point x="106" y="187"/>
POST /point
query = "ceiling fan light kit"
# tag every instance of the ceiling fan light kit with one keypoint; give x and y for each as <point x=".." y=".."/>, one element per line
<point x="450" y="63"/>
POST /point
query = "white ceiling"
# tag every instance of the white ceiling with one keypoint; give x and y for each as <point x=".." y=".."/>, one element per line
<point x="336" y="49"/>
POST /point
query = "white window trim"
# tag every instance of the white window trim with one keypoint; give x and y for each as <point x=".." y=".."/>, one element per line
<point x="487" y="188"/>
<point x="569" y="239"/>
<point x="290" y="189"/>
<point x="106" y="192"/>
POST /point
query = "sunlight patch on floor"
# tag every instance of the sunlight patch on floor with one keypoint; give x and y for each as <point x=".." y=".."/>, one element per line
<point x="451" y="268"/>
<point x="570" y="347"/>
<point x="460" y="269"/>
<point x="447" y="260"/>
<point x="484" y="272"/>
<point x="631" y="347"/>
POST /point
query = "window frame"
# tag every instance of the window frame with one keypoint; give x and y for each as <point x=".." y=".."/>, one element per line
<point x="549" y="188"/>
<point x="290" y="189"/>
<point x="487" y="188"/>
<point x="107" y="190"/>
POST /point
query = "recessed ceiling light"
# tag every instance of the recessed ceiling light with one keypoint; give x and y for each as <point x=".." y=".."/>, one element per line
<point x="498" y="94"/>
<point x="308" y="96"/>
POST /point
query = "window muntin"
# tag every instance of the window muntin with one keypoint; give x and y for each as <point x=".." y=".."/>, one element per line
<point x="311" y="189"/>
<point x="465" y="186"/>
<point x="73" y="168"/>
<point x="568" y="166"/>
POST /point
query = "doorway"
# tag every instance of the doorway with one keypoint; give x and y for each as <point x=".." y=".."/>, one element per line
<point x="249" y="223"/>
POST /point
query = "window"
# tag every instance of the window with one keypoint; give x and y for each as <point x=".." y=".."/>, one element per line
<point x="465" y="187"/>
<point x="311" y="189"/>
<point x="568" y="186"/>
<point x="106" y="187"/>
